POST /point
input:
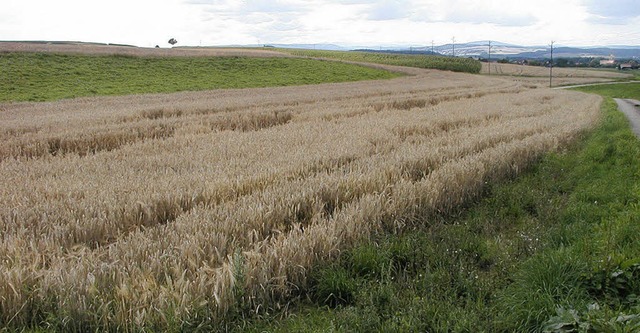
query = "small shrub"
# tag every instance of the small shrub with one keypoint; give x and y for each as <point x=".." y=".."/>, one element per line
<point x="544" y="282"/>
<point x="594" y="319"/>
<point x="369" y="260"/>
<point x="618" y="284"/>
<point x="333" y="286"/>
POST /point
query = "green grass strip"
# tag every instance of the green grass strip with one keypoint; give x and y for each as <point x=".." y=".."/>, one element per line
<point x="554" y="250"/>
<point x="627" y="90"/>
<point x="46" y="77"/>
<point x="466" y="65"/>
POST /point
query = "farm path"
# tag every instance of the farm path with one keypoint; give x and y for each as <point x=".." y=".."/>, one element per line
<point x="593" y="84"/>
<point x="631" y="108"/>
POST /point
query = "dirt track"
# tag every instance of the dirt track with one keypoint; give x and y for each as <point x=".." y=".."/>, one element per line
<point x="594" y="84"/>
<point x="631" y="108"/>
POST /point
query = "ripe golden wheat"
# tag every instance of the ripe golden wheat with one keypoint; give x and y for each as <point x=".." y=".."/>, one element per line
<point x="143" y="211"/>
<point x="558" y="72"/>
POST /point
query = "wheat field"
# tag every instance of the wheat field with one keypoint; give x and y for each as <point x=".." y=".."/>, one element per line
<point x="166" y="211"/>
<point x="577" y="74"/>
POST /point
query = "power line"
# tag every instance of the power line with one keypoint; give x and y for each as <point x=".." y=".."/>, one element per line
<point x="489" y="61"/>
<point x="551" y="66"/>
<point x="453" y="46"/>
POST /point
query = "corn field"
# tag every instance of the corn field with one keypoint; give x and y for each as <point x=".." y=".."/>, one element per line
<point x="168" y="211"/>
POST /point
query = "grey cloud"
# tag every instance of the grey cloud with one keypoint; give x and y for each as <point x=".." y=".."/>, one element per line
<point x="287" y="26"/>
<point x="613" y="8"/>
<point x="257" y="18"/>
<point x="390" y="10"/>
<point x="259" y="11"/>
<point x="264" y="6"/>
<point x="612" y="11"/>
<point x="204" y="2"/>
<point x="265" y="20"/>
<point x="501" y="19"/>
<point x="353" y="2"/>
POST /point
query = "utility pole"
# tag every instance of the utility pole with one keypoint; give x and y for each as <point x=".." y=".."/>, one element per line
<point x="551" y="66"/>
<point x="489" y="62"/>
<point x="432" y="53"/>
<point x="453" y="46"/>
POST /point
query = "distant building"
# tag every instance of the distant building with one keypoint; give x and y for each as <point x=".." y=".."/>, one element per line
<point x="628" y="65"/>
<point x="611" y="61"/>
<point x="607" y="62"/>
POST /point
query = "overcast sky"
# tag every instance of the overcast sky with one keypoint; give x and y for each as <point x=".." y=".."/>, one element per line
<point x="345" y="22"/>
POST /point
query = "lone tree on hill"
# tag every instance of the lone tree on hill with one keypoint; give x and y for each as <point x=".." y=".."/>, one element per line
<point x="173" y="41"/>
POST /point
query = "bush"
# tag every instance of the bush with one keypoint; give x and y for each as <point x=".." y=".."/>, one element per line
<point x="333" y="286"/>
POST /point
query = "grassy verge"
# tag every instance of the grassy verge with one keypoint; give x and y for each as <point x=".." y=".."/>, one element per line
<point x="636" y="74"/>
<point x="554" y="250"/>
<point x="44" y="77"/>
<point x="409" y="60"/>
<point x="628" y="90"/>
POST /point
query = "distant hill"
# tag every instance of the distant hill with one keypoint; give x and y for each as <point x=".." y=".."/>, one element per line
<point x="504" y="50"/>
<point x="481" y="48"/>
<point x="571" y="52"/>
